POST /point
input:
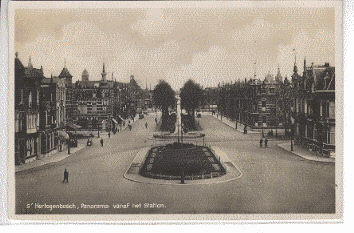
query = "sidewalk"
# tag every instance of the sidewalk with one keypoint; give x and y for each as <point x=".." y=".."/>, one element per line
<point x="59" y="156"/>
<point x="232" y="124"/>
<point x="51" y="159"/>
<point x="302" y="152"/>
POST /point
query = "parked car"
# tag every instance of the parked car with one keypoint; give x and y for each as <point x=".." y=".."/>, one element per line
<point x="141" y="116"/>
<point x="199" y="115"/>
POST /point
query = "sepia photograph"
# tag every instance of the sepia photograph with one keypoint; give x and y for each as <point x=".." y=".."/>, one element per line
<point x="175" y="110"/>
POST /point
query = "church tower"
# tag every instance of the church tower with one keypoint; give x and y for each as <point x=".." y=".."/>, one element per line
<point x="104" y="74"/>
<point x="278" y="78"/>
<point x="85" y="76"/>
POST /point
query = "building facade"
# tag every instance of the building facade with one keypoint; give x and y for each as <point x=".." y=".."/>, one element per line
<point x="314" y="108"/>
<point x="27" y="111"/>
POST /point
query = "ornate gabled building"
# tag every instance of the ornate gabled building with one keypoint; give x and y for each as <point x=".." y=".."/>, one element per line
<point x="314" y="108"/>
<point x="69" y="101"/>
<point x="94" y="101"/>
<point x="27" y="106"/>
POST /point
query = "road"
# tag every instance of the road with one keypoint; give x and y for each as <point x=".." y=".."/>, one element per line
<point x="273" y="181"/>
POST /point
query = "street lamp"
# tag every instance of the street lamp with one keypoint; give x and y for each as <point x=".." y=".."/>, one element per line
<point x="292" y="133"/>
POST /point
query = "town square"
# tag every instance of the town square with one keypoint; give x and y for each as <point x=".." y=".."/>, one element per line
<point x="175" y="111"/>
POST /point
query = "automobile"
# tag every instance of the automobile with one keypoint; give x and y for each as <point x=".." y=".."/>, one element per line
<point x="199" y="115"/>
<point x="141" y="116"/>
<point x="89" y="142"/>
<point x="145" y="113"/>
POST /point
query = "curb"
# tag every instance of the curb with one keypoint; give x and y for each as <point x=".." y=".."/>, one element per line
<point x="213" y="180"/>
<point x="310" y="158"/>
<point x="248" y="131"/>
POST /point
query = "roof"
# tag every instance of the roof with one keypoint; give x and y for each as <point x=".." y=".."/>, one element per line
<point x="65" y="73"/>
<point x="33" y="72"/>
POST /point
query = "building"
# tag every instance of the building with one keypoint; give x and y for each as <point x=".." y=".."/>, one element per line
<point x="94" y="101"/>
<point x="52" y="114"/>
<point x="258" y="104"/>
<point x="70" y="106"/>
<point x="314" y="108"/>
<point x="27" y="105"/>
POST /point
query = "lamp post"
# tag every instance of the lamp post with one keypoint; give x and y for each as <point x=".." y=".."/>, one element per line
<point x="292" y="125"/>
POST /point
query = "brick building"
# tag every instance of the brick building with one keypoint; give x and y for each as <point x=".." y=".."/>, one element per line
<point x="314" y="108"/>
<point x="27" y="102"/>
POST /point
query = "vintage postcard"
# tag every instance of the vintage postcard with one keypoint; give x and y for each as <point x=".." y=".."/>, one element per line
<point x="159" y="111"/>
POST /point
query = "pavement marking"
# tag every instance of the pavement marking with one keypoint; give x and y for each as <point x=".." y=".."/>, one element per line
<point x="232" y="173"/>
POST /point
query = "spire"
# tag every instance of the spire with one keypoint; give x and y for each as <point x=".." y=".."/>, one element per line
<point x="51" y="77"/>
<point x="104" y="74"/>
<point x="30" y="62"/>
<point x="295" y="67"/>
<point x="64" y="63"/>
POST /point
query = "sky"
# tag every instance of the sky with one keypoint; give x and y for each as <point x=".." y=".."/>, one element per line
<point x="206" y="45"/>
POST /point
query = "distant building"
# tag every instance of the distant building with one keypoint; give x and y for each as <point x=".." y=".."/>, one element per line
<point x="94" y="101"/>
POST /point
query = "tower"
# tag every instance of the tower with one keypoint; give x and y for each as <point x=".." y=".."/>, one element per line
<point x="85" y="76"/>
<point x="278" y="78"/>
<point x="30" y="62"/>
<point x="104" y="74"/>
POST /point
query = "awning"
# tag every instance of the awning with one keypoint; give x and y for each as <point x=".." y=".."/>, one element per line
<point x="63" y="135"/>
<point x="73" y="126"/>
<point x="114" y="121"/>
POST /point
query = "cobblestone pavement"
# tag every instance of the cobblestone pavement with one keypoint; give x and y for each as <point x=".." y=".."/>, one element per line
<point x="273" y="181"/>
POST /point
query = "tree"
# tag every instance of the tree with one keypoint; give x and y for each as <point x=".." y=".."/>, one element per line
<point x="164" y="97"/>
<point x="191" y="97"/>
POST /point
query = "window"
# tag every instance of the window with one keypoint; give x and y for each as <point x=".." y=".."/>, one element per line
<point x="37" y="97"/>
<point x="332" y="110"/>
<point x="331" y="136"/>
<point x="30" y="99"/>
<point x="17" y="123"/>
<point x="264" y="103"/>
<point x="21" y="98"/>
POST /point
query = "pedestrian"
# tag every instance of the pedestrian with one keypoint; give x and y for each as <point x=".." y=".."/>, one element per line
<point x="261" y="142"/>
<point x="101" y="141"/>
<point x="109" y="134"/>
<point x="66" y="176"/>
<point x="146" y="125"/>
<point x="156" y="120"/>
<point x="130" y="127"/>
<point x="266" y="142"/>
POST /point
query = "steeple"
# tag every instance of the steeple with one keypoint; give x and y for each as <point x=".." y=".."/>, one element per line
<point x="104" y="74"/>
<point x="295" y="67"/>
<point x="278" y="78"/>
<point x="30" y="62"/>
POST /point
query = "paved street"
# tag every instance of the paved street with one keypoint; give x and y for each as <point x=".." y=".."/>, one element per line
<point x="273" y="180"/>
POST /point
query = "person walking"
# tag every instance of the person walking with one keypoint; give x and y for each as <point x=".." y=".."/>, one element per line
<point x="66" y="176"/>
<point x="109" y="134"/>
<point x="261" y="142"/>
<point x="101" y="141"/>
<point x="266" y="142"/>
<point x="156" y="120"/>
<point x="146" y="125"/>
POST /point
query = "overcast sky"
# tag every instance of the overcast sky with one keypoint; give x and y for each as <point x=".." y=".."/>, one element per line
<point x="207" y="45"/>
